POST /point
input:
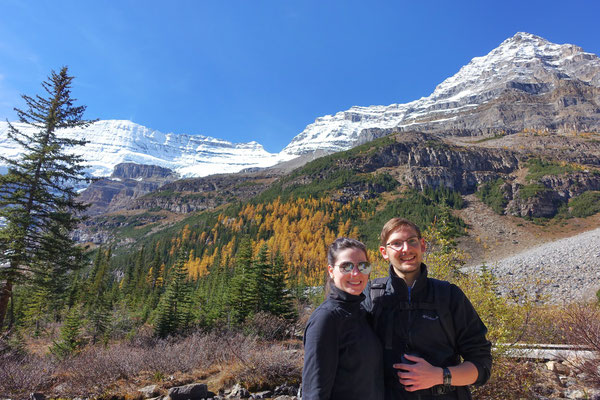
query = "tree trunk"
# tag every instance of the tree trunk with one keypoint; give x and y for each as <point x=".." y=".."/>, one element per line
<point x="5" y="295"/>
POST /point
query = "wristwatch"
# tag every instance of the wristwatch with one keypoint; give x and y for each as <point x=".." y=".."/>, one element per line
<point x="447" y="377"/>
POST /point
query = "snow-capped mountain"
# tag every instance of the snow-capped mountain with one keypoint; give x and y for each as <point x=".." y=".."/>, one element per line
<point x="113" y="142"/>
<point x="538" y="84"/>
<point x="525" y="83"/>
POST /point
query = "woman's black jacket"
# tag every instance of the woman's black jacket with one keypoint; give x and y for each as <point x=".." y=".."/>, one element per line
<point x="342" y="355"/>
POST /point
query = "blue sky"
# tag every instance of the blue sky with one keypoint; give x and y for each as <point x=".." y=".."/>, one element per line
<point x="260" y="70"/>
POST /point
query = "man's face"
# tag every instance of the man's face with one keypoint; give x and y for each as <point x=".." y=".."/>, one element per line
<point x="404" y="250"/>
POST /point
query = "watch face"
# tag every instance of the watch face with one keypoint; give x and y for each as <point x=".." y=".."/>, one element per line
<point x="447" y="377"/>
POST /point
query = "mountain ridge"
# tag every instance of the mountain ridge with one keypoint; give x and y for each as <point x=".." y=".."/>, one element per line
<point x="524" y="64"/>
<point x="526" y="83"/>
<point x="112" y="142"/>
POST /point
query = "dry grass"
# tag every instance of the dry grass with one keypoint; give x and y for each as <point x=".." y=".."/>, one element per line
<point x="223" y="358"/>
<point x="259" y="360"/>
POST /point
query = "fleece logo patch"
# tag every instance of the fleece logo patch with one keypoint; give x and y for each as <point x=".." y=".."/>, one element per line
<point x="431" y="317"/>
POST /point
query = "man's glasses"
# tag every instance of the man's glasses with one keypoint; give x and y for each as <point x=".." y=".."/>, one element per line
<point x="399" y="244"/>
<point x="347" y="267"/>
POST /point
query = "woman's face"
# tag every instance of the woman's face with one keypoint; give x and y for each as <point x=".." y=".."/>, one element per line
<point x="353" y="282"/>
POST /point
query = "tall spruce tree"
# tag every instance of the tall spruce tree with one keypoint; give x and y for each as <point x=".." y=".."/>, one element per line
<point x="174" y="309"/>
<point x="97" y="302"/>
<point x="36" y="313"/>
<point x="277" y="297"/>
<point x="37" y="195"/>
<point x="262" y="273"/>
<point x="243" y="294"/>
<point x="70" y="335"/>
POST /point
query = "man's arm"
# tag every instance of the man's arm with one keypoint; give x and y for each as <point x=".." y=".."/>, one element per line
<point x="471" y="336"/>
<point x="423" y="375"/>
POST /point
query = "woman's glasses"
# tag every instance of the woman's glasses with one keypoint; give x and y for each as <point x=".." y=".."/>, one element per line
<point x="347" y="267"/>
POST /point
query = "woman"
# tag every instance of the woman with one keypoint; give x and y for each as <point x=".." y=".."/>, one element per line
<point x="342" y="355"/>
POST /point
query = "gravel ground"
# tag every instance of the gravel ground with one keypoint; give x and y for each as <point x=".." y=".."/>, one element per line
<point x="561" y="261"/>
<point x="565" y="270"/>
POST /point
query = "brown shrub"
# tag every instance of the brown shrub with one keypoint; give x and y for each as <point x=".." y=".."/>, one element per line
<point x="511" y="379"/>
<point x="267" y="366"/>
<point x="581" y="326"/>
<point x="99" y="366"/>
<point x="268" y="326"/>
<point x="98" y="369"/>
<point x="542" y="326"/>
<point x="20" y="374"/>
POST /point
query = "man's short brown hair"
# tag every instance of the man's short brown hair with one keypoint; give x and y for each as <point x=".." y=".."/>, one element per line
<point x="393" y="225"/>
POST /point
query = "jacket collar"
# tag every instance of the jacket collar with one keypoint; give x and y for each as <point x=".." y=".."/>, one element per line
<point x="399" y="287"/>
<point x="338" y="294"/>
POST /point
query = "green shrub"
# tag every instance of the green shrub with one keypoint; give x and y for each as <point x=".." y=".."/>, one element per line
<point x="585" y="205"/>
<point x="539" y="168"/>
<point x="423" y="208"/>
<point x="329" y="173"/>
<point x="323" y="182"/>
<point x="532" y="190"/>
<point x="491" y="193"/>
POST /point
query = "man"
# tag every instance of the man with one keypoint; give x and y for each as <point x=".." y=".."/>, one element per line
<point x="434" y="347"/>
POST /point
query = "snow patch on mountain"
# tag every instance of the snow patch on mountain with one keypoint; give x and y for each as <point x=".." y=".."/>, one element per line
<point x="522" y="59"/>
<point x="111" y="142"/>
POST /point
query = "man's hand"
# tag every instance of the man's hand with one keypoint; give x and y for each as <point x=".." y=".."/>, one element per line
<point x="420" y="375"/>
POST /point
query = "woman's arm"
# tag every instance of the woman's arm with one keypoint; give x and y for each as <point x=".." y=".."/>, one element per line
<point x="320" y="356"/>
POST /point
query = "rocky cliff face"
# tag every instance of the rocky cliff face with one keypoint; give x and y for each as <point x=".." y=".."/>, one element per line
<point x="196" y="194"/>
<point x="425" y="160"/>
<point x="556" y="190"/>
<point x="141" y="171"/>
<point x="127" y="182"/>
<point x="147" y="187"/>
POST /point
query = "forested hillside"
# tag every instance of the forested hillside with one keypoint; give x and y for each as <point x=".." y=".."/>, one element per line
<point x="244" y="267"/>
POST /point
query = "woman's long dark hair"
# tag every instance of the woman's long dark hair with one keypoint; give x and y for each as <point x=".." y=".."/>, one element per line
<point x="343" y="243"/>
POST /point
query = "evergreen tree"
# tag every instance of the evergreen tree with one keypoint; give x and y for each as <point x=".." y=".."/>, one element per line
<point x="97" y="300"/>
<point x="127" y="283"/>
<point x="140" y="285"/>
<point x="174" y="313"/>
<point x="36" y="307"/>
<point x="242" y="297"/>
<point x="44" y="299"/>
<point x="70" y="335"/>
<point x="262" y="276"/>
<point x="37" y="195"/>
<point x="216" y="295"/>
<point x="152" y="286"/>
<point x="75" y="290"/>
<point x="278" y="298"/>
